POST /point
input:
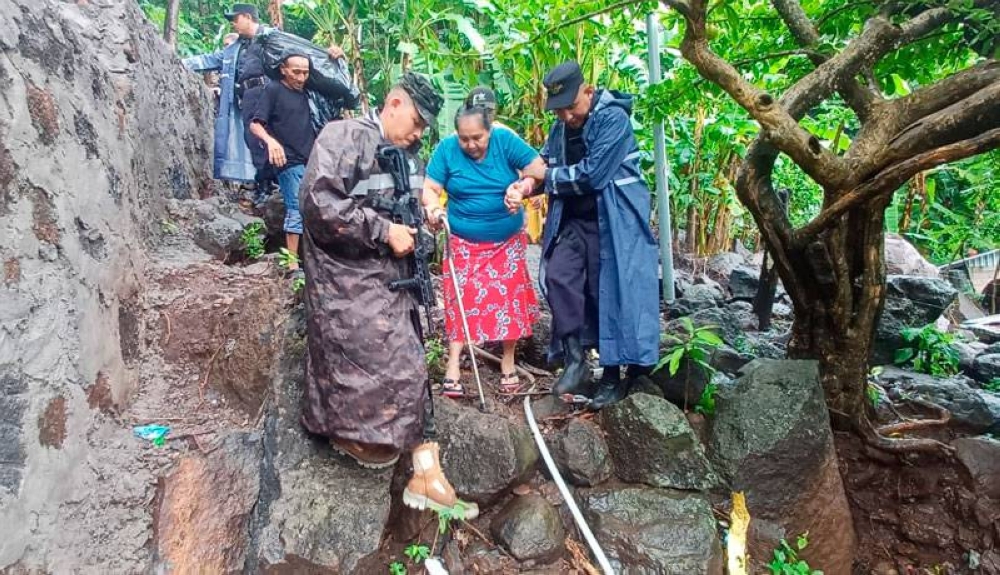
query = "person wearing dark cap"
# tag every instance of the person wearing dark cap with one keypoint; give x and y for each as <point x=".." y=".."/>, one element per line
<point x="283" y="123"/>
<point x="366" y="383"/>
<point x="599" y="257"/>
<point x="241" y="84"/>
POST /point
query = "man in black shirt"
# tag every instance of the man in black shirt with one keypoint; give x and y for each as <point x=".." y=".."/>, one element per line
<point x="281" y="121"/>
<point x="250" y="82"/>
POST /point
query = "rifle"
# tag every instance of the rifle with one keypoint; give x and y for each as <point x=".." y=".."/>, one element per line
<point x="405" y="209"/>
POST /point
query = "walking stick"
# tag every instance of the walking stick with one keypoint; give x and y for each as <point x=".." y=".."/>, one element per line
<point x="461" y="310"/>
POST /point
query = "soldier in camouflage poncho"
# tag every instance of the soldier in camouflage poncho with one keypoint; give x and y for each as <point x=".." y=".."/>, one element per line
<point x="366" y="381"/>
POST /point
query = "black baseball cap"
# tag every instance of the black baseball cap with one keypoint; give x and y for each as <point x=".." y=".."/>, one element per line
<point x="238" y="9"/>
<point x="481" y="97"/>
<point x="427" y="101"/>
<point x="562" y="84"/>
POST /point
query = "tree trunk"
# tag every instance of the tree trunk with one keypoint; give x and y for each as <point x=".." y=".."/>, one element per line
<point x="274" y="12"/>
<point x="170" y="22"/>
<point x="767" y="288"/>
<point x="836" y="315"/>
<point x="836" y="282"/>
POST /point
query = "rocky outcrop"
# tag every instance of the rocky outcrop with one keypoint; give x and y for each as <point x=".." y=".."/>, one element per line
<point x="205" y="508"/>
<point x="901" y="258"/>
<point x="981" y="458"/>
<point x="318" y="512"/>
<point x="651" y="442"/>
<point x="771" y="438"/>
<point x="483" y="455"/>
<point x="972" y="409"/>
<point x="99" y="126"/>
<point x="581" y="453"/>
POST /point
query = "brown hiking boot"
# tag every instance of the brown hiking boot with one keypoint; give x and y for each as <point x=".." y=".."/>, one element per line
<point x="429" y="488"/>
<point x="369" y="456"/>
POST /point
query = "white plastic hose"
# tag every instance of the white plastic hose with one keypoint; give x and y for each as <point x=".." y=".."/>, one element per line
<point x="566" y="495"/>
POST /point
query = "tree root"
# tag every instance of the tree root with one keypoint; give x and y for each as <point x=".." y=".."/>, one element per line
<point x="873" y="438"/>
<point x="944" y="416"/>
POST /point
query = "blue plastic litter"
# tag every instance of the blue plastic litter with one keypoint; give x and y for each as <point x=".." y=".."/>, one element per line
<point x="155" y="433"/>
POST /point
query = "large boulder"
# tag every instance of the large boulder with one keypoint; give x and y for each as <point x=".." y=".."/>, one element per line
<point x="967" y="353"/>
<point x="530" y="528"/>
<point x="651" y="442"/>
<point x="483" y="454"/>
<point x="205" y="508"/>
<point x="744" y="282"/>
<point x="972" y="409"/>
<point x="318" y="512"/>
<point x="911" y="301"/>
<point x="646" y="531"/>
<point x="581" y="453"/>
<point x="901" y="258"/>
<point x="771" y="438"/>
<point x="720" y="266"/>
<point x="697" y="297"/>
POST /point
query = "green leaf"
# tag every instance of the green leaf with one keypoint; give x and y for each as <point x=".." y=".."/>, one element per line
<point x="675" y="360"/>
<point x="904" y="355"/>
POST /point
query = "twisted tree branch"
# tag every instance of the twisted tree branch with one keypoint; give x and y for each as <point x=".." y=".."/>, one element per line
<point x="780" y="127"/>
<point x="857" y="96"/>
<point x="888" y="180"/>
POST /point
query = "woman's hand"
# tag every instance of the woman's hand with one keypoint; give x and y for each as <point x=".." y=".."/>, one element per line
<point x="516" y="193"/>
<point x="436" y="217"/>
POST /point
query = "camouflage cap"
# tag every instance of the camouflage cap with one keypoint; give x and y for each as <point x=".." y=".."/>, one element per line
<point x="427" y="101"/>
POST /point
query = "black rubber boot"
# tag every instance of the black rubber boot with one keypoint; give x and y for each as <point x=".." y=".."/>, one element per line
<point x="574" y="375"/>
<point x="611" y="389"/>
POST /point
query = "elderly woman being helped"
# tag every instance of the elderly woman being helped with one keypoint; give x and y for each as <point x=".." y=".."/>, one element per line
<point x="476" y="166"/>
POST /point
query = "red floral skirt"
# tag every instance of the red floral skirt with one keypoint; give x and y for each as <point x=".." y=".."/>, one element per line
<point x="499" y="300"/>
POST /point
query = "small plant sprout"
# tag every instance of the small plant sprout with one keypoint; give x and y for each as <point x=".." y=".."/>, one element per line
<point x="873" y="391"/>
<point x="252" y="240"/>
<point x="693" y="348"/>
<point x="286" y="258"/>
<point x="993" y="385"/>
<point x="298" y="283"/>
<point x="786" y="558"/>
<point x="706" y="403"/>
<point x="397" y="568"/>
<point x="417" y="552"/>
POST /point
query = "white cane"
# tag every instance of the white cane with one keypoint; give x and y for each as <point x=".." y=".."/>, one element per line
<point x="461" y="309"/>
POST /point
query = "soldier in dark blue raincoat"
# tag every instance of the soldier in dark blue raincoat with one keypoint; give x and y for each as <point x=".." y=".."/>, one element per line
<point x="600" y="260"/>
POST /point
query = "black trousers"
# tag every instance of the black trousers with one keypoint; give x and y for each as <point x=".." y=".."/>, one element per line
<point x="572" y="281"/>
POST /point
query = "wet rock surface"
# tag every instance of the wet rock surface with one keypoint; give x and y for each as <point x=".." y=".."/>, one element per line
<point x="530" y="528"/>
<point x="647" y="531"/>
<point x="771" y="438"/>
<point x="483" y="455"/>
<point x="581" y="453"/>
<point x="651" y="442"/>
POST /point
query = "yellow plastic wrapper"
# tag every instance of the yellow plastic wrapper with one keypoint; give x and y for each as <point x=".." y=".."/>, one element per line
<point x="736" y="543"/>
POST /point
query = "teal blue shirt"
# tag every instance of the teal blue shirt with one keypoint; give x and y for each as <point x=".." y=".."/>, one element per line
<point x="476" y="189"/>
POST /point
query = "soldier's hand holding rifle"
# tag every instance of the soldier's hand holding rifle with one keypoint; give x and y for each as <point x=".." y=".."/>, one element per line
<point x="400" y="239"/>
